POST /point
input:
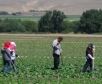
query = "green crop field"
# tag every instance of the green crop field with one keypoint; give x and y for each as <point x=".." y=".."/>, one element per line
<point x="31" y="18"/>
<point x="73" y="18"/>
<point x="36" y="59"/>
<point x="37" y="18"/>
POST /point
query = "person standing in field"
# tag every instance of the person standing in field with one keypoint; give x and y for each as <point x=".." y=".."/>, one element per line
<point x="6" y="57"/>
<point x="13" y="55"/>
<point x="89" y="58"/>
<point x="57" y="52"/>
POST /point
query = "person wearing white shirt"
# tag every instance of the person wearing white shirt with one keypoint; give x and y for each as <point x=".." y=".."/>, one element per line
<point x="56" y="52"/>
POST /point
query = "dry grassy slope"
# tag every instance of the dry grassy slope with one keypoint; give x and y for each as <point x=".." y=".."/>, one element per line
<point x="67" y="6"/>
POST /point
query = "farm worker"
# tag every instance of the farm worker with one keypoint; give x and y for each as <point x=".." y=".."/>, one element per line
<point x="89" y="58"/>
<point x="56" y="52"/>
<point x="6" y="57"/>
<point x="13" y="54"/>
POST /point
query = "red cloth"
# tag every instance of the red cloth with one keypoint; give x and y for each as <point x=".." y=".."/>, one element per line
<point x="6" y="45"/>
<point x="12" y="47"/>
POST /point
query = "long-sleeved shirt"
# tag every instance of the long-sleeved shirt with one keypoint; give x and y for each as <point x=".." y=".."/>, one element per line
<point x="5" y="54"/>
<point x="13" y="55"/>
<point x="56" y="47"/>
<point x="89" y="53"/>
<point x="12" y="51"/>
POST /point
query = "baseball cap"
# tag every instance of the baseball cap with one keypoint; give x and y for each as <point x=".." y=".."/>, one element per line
<point x="91" y="44"/>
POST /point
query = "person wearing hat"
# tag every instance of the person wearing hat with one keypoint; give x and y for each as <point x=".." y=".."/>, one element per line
<point x="13" y="54"/>
<point x="56" y="52"/>
<point x="89" y="58"/>
<point x="6" y="57"/>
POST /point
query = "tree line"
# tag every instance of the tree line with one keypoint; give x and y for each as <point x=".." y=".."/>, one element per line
<point x="17" y="26"/>
<point x="90" y="22"/>
<point x="53" y="22"/>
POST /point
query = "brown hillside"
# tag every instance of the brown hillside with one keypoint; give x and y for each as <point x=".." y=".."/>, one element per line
<point x="70" y="7"/>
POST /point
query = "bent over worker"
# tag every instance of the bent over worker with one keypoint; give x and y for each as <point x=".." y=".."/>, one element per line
<point x="56" y="52"/>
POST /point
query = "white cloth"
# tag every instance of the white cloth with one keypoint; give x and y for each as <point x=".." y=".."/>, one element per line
<point x="91" y="57"/>
<point x="93" y="48"/>
<point x="56" y="47"/>
<point x="13" y="56"/>
<point x="13" y="43"/>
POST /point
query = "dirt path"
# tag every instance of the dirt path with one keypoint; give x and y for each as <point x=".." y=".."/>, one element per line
<point x="70" y="35"/>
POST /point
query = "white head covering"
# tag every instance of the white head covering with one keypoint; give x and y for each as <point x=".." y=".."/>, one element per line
<point x="13" y="43"/>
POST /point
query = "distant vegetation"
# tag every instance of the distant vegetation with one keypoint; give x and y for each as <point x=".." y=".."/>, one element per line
<point x="17" y="13"/>
<point x="37" y="11"/>
<point x="15" y="26"/>
<point x="3" y="13"/>
<point x="53" y="22"/>
<point x="91" y="22"/>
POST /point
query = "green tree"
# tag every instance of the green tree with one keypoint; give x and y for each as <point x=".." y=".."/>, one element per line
<point x="11" y="25"/>
<point x="57" y="19"/>
<point x="30" y="26"/>
<point x="91" y="21"/>
<point x="44" y="24"/>
<point x="70" y="26"/>
<point x="51" y="22"/>
<point x="0" y="27"/>
<point x="3" y="13"/>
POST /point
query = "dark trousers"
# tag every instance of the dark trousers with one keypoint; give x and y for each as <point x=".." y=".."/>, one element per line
<point x="6" y="66"/>
<point x="56" y="61"/>
<point x="87" y="64"/>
